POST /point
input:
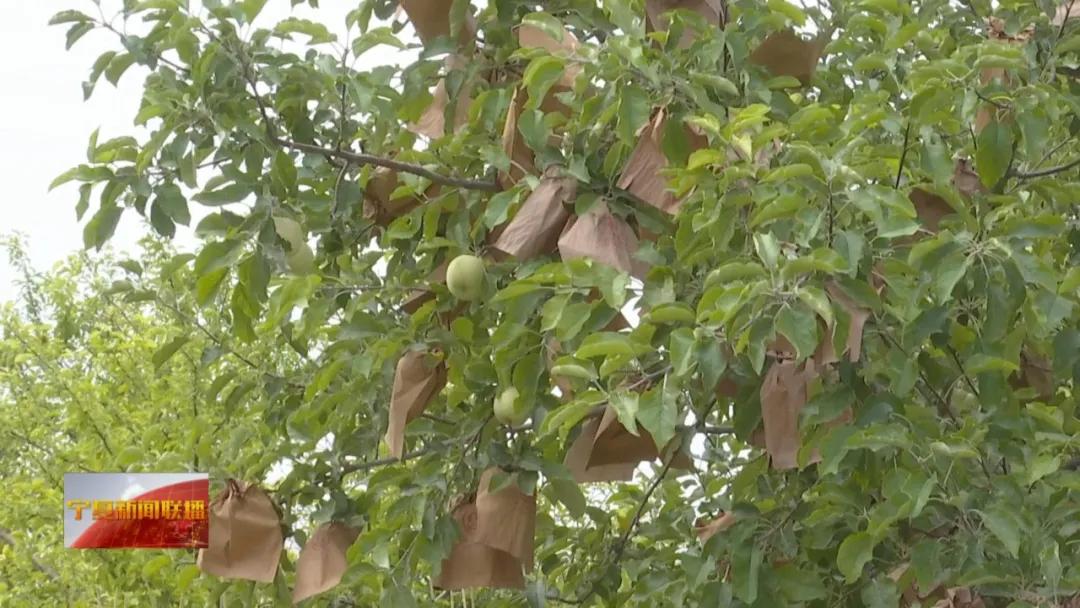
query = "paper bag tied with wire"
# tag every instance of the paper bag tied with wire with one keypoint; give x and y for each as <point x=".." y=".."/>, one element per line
<point x="644" y="173"/>
<point x="656" y="15"/>
<point x="245" y="535"/>
<point x="535" y="228"/>
<point x="417" y="380"/>
<point x="496" y="541"/>
<point x="604" y="237"/>
<point x="608" y="451"/>
<point x="322" y="561"/>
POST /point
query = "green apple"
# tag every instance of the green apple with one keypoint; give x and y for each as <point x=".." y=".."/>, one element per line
<point x="291" y="231"/>
<point x="301" y="259"/>
<point x="465" y="277"/>
<point x="510" y="408"/>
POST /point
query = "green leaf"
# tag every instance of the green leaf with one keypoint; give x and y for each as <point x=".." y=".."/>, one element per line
<point x="815" y="298"/>
<point x="1004" y="526"/>
<point x="626" y="405"/>
<point x="634" y="111"/>
<point x="541" y="74"/>
<point x="658" y="412"/>
<point x="800" y="327"/>
<point x="995" y="145"/>
<point x="854" y="553"/>
<point x="233" y="193"/>
<point x="568" y="492"/>
<point x="166" y="352"/>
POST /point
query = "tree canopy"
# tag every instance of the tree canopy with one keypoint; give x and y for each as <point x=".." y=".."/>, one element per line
<point x="790" y="293"/>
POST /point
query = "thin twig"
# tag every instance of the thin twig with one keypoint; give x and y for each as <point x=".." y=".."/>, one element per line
<point x="358" y="158"/>
<point x="1045" y="172"/>
<point x="903" y="158"/>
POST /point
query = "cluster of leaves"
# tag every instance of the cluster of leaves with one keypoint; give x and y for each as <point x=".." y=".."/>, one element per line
<point x="957" y="463"/>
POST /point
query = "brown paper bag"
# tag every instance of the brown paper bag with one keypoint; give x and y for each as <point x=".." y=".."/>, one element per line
<point x="322" y="561"/>
<point x="416" y="382"/>
<point x="1065" y="11"/>
<point x="432" y="123"/>
<point x="712" y="11"/>
<point x="419" y="297"/>
<point x="431" y="19"/>
<point x="783" y="395"/>
<point x="506" y="519"/>
<point x="381" y="207"/>
<point x="531" y="37"/>
<point x="577" y="459"/>
<point x="1036" y="371"/>
<point x="604" y="237"/>
<point x="614" y="444"/>
<point x="709" y="529"/>
<point x="996" y="31"/>
<point x="472" y="564"/>
<point x="535" y="228"/>
<point x="785" y="53"/>
<point x="643" y="174"/>
<point x="858" y="320"/>
<point x="245" y="535"/>
<point x="521" y="155"/>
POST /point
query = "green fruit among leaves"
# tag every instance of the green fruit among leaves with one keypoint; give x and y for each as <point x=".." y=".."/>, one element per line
<point x="510" y="408"/>
<point x="301" y="259"/>
<point x="465" y="277"/>
<point x="291" y="231"/>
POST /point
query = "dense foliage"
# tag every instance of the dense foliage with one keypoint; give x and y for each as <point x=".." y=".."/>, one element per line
<point x="918" y="178"/>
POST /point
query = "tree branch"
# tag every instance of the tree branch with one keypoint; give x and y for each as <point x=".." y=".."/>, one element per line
<point x="1045" y="172"/>
<point x="357" y="158"/>
<point x="7" y="538"/>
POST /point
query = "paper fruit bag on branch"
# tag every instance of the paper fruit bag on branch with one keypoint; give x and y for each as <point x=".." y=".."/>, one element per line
<point x="643" y="176"/>
<point x="513" y="144"/>
<point x="245" y="535"/>
<point x="418" y="378"/>
<point x="535" y="228"/>
<point x="783" y="395"/>
<point x="506" y="519"/>
<point x="532" y="37"/>
<point x="996" y="31"/>
<point x="322" y="561"/>
<point x="380" y="204"/>
<point x="432" y="123"/>
<point x="431" y="19"/>
<point x="608" y="451"/>
<point x="931" y="208"/>
<point x="785" y="53"/>
<point x="472" y="564"/>
<point x="656" y="19"/>
<point x="604" y="237"/>
<point x="496" y="542"/>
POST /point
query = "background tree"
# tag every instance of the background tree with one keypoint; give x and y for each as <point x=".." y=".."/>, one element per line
<point x="857" y="300"/>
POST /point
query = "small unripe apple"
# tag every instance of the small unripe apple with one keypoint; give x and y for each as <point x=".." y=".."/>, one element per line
<point x="465" y="277"/>
<point x="301" y="259"/>
<point x="510" y="408"/>
<point x="290" y="230"/>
